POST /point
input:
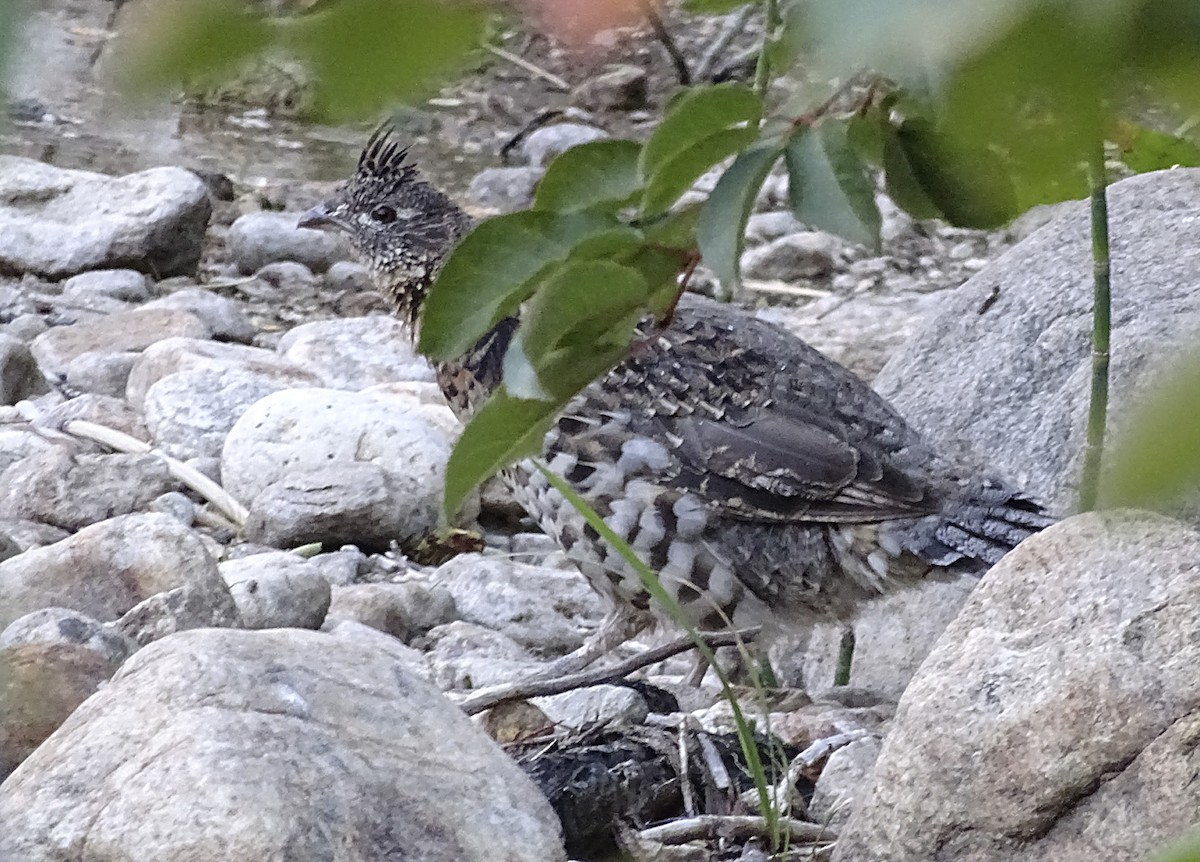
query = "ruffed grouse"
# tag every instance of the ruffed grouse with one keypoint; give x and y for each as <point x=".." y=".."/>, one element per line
<point x="763" y="481"/>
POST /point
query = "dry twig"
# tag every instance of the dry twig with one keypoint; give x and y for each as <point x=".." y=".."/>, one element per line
<point x="489" y="697"/>
<point x="732" y="826"/>
<point x="532" y="68"/>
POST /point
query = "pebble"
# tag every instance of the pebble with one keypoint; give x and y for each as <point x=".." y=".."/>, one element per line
<point x="258" y="239"/>
<point x="354" y="353"/>
<point x="406" y="610"/>
<point x="132" y="330"/>
<point x="189" y="413"/>
<point x="544" y="144"/>
<point x="277" y="590"/>
<point x="225" y="319"/>
<point x="620" y="88"/>
<point x="336" y="467"/>
<point x="794" y="257"/>
<point x="288" y="278"/>
<point x="126" y="285"/>
<point x="19" y="374"/>
<point x="503" y="189"/>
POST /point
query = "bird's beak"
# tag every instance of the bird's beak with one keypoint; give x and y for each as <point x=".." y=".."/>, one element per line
<point x="319" y="218"/>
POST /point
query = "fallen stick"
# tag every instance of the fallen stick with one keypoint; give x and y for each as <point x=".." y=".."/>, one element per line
<point x="494" y="695"/>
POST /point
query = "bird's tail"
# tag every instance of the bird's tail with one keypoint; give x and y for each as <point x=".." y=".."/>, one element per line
<point x="973" y="532"/>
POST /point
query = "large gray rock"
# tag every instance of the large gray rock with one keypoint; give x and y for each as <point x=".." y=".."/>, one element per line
<point x="105" y="569"/>
<point x="58" y="222"/>
<point x="245" y="746"/>
<point x="100" y="372"/>
<point x="198" y="604"/>
<point x="794" y="257"/>
<point x="892" y="636"/>
<point x="1052" y="720"/>
<point x="847" y="776"/>
<point x="356" y="352"/>
<point x="257" y="239"/>
<point x="65" y="626"/>
<point x="73" y="491"/>
<point x="336" y="467"/>
<point x="465" y="655"/>
<point x="1002" y="369"/>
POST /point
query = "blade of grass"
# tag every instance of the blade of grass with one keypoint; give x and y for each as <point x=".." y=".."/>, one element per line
<point x="654" y="587"/>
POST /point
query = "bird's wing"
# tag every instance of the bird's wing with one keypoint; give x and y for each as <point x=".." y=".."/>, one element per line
<point x="779" y="467"/>
<point x="761" y="426"/>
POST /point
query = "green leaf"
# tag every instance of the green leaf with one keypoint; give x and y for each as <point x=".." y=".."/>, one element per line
<point x="676" y="175"/>
<point x="901" y="182"/>
<point x="1146" y="150"/>
<point x="698" y="113"/>
<point x="868" y="133"/>
<point x="493" y="270"/>
<point x="1036" y="91"/>
<point x="721" y="229"/>
<point x="504" y="430"/>
<point x="715" y="7"/>
<point x="615" y="243"/>
<point x="829" y="186"/>
<point x="676" y="229"/>
<point x="1157" y="458"/>
<point x="596" y="174"/>
<point x="576" y="326"/>
<point x="366" y="54"/>
<point x="971" y="187"/>
<point x="175" y="43"/>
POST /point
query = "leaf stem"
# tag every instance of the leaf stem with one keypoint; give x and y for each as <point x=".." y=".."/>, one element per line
<point x="762" y="70"/>
<point x="1101" y="327"/>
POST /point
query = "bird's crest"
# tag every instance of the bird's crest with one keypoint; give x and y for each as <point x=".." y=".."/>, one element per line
<point x="384" y="162"/>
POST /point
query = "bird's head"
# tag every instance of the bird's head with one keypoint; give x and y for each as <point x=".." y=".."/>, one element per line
<point x="403" y="228"/>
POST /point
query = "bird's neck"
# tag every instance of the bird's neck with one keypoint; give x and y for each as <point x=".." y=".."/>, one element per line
<point x="468" y="380"/>
<point x="406" y="294"/>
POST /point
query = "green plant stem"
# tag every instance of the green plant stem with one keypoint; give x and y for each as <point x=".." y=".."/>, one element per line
<point x="1101" y="326"/>
<point x="762" y="70"/>
<point x="650" y="581"/>
<point x="841" y="676"/>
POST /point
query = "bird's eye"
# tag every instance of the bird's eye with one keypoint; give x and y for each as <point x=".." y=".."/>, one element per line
<point x="383" y="214"/>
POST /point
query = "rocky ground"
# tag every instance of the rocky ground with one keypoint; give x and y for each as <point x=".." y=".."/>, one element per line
<point x="218" y="456"/>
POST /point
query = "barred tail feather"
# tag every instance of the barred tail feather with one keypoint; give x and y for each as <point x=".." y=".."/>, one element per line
<point x="972" y="534"/>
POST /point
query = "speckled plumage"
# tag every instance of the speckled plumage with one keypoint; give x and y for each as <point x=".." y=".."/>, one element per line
<point x="760" y="479"/>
